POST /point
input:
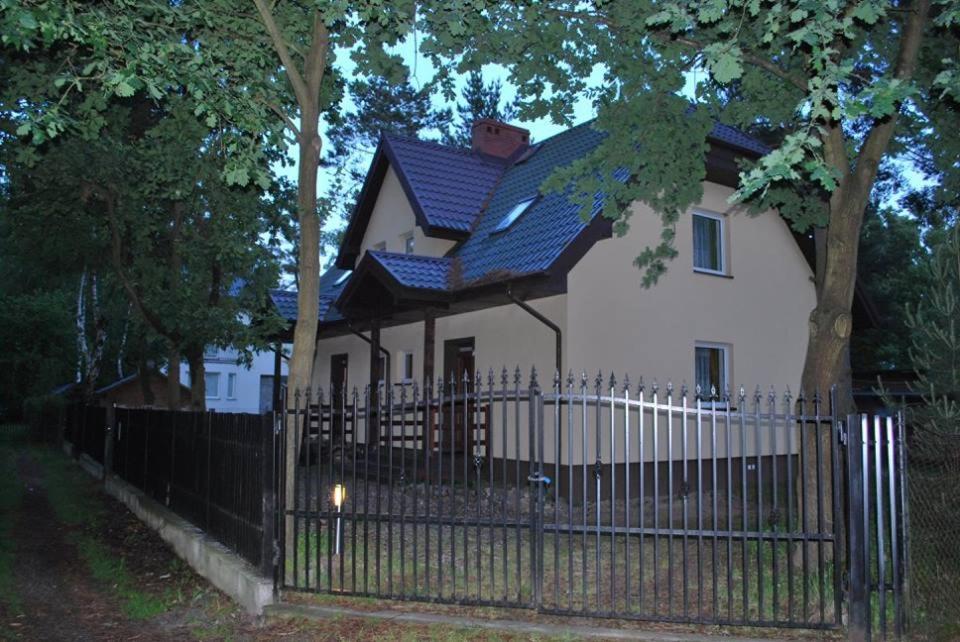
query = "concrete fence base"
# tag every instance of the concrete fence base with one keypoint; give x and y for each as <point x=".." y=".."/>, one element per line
<point x="208" y="557"/>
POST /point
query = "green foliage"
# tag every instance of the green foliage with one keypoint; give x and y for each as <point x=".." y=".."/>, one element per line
<point x="786" y="72"/>
<point x="934" y="325"/>
<point x="892" y="260"/>
<point x="478" y="100"/>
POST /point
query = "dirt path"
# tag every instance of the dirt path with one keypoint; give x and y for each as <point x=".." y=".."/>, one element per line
<point x="60" y="600"/>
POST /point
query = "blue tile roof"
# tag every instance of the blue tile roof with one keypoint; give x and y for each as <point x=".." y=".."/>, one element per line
<point x="461" y="190"/>
<point x="420" y="272"/>
<point x="448" y="183"/>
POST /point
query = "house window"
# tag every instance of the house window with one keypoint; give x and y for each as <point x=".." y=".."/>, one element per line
<point x="514" y="214"/>
<point x="408" y="243"/>
<point x="406" y="366"/>
<point x="232" y="386"/>
<point x="212" y="384"/>
<point x="711" y="364"/>
<point x="343" y="277"/>
<point x="381" y="246"/>
<point x="210" y="352"/>
<point x="708" y="250"/>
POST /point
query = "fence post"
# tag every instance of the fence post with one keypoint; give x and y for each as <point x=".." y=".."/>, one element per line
<point x="108" y="441"/>
<point x="859" y="590"/>
<point x="269" y="494"/>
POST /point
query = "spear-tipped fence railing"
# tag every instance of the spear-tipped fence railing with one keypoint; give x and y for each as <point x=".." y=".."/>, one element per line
<point x="587" y="497"/>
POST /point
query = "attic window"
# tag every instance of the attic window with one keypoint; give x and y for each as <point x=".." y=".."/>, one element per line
<point x="514" y="214"/>
<point x="343" y="277"/>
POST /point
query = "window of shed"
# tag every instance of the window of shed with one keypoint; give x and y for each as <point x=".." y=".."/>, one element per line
<point x="515" y="212"/>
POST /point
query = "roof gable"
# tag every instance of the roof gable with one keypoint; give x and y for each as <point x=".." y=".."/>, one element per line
<point x="445" y="186"/>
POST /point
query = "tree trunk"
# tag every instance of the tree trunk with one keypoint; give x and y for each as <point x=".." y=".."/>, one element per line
<point x="173" y="378"/>
<point x="198" y="383"/>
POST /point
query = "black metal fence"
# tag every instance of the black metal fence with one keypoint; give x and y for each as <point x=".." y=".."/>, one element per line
<point x="593" y="498"/>
<point x="216" y="470"/>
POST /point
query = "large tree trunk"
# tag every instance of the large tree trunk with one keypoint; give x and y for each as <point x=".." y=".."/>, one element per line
<point x="173" y="378"/>
<point x="827" y="364"/>
<point x="306" y="86"/>
<point x="198" y="383"/>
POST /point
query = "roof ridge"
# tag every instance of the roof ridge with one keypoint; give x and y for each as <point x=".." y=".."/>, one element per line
<point x="462" y="151"/>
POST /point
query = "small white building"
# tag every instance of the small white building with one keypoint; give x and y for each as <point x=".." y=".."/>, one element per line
<point x="235" y="387"/>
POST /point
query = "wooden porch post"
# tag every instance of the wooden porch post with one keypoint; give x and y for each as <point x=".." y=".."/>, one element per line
<point x="429" y="333"/>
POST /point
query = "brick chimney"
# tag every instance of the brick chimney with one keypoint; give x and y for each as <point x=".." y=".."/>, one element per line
<point x="498" y="139"/>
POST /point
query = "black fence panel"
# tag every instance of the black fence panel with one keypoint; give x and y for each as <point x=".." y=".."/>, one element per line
<point x="206" y="467"/>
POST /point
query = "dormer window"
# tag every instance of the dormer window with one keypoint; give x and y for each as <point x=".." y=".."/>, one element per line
<point x="515" y="212"/>
<point x="408" y="243"/>
<point x="343" y="277"/>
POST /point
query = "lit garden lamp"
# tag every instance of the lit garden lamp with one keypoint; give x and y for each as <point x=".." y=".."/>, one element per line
<point x="339" y="496"/>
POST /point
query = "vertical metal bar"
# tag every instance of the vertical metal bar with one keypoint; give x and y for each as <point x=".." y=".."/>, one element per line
<point x="804" y="510"/>
<point x="343" y="457"/>
<point x="744" y="512"/>
<point x="477" y="465"/>
<point x="465" y="396"/>
<point x="325" y="491"/>
<point x="354" y="431"/>
<point x="534" y="446"/>
<point x="503" y="468"/>
<point x="656" y="498"/>
<point x="788" y="433"/>
<point x="699" y="402"/>
<point x="759" y="543"/>
<point x="441" y="391"/>
<point x="388" y="399"/>
<point x="613" y="495"/>
<point x="713" y="487"/>
<point x="597" y="473"/>
<point x="488" y="451"/>
<point x="428" y="436"/>
<point x="518" y="482"/>
<point x="902" y="480"/>
<point x="859" y="626"/>
<point x="403" y="491"/>
<point x="835" y="454"/>
<point x="557" y="413"/>
<point x="881" y="545"/>
<point x="626" y="466"/>
<point x="569" y="523"/>
<point x="729" y="494"/>
<point x="670" y="501"/>
<point x="452" y="503"/>
<point x="643" y="465"/>
<point x="367" y="412"/>
<point x="775" y="513"/>
<point x="417" y="430"/>
<point x="684" y="430"/>
<point x="583" y="498"/>
<point x="894" y="544"/>
<point x="821" y="562"/>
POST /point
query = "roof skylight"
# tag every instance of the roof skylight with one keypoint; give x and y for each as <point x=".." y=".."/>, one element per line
<point x="514" y="214"/>
<point x="343" y="277"/>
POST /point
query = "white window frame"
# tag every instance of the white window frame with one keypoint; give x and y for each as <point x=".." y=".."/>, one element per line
<point x="207" y="386"/>
<point x="210" y="352"/>
<point x="409" y="245"/>
<point x="722" y="245"/>
<point x="231" y="385"/>
<point x="725" y="349"/>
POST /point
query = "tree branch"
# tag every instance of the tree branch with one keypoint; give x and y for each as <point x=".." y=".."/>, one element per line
<point x="868" y="161"/>
<point x="280" y="45"/>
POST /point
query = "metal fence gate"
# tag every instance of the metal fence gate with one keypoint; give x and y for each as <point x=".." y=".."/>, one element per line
<point x="593" y="498"/>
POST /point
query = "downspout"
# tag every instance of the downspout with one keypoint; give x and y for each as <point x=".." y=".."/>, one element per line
<point x="384" y="351"/>
<point x="545" y="321"/>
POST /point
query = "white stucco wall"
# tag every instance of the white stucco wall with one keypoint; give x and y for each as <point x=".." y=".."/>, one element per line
<point x="393" y="219"/>
<point x="246" y="397"/>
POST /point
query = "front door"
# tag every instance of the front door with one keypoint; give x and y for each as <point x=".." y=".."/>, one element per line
<point x="338" y="384"/>
<point x="459" y="369"/>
